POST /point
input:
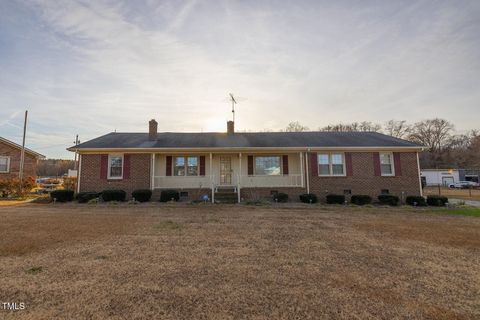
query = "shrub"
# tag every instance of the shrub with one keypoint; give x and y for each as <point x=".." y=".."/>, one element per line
<point x="113" y="195"/>
<point x="69" y="183"/>
<point x="360" y="199"/>
<point x="142" y="195"/>
<point x="168" y="195"/>
<point x="388" y="199"/>
<point x="416" y="200"/>
<point x="309" y="198"/>
<point x="335" y="199"/>
<point x="62" y="195"/>
<point x="11" y="186"/>
<point x="280" y="197"/>
<point x="437" y="201"/>
<point x="84" y="197"/>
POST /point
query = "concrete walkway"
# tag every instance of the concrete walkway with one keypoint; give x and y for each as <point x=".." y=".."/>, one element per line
<point x="472" y="203"/>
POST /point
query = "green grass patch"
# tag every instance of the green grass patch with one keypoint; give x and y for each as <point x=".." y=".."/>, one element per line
<point x="34" y="270"/>
<point x="470" y="212"/>
<point x="168" y="225"/>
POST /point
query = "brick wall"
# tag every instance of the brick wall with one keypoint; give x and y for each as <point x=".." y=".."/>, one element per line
<point x="139" y="174"/>
<point x="29" y="167"/>
<point x="266" y="193"/>
<point x="364" y="181"/>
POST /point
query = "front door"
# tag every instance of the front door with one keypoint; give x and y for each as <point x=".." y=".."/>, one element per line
<point x="226" y="170"/>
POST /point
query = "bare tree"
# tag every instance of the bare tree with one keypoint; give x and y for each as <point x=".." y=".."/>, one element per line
<point x="434" y="133"/>
<point x="295" y="126"/>
<point x="397" y="128"/>
<point x="354" y="126"/>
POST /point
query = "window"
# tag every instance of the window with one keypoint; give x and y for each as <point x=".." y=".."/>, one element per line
<point x="385" y="191"/>
<point x="267" y="166"/>
<point x="115" y="166"/>
<point x="331" y="164"/>
<point x="4" y="164"/>
<point x="185" y="166"/>
<point x="386" y="164"/>
<point x="179" y="166"/>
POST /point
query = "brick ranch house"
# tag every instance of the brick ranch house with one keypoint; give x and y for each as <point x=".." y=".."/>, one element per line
<point x="10" y="154"/>
<point x="250" y="165"/>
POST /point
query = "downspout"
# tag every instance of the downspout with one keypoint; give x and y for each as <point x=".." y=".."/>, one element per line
<point x="79" y="171"/>
<point x="419" y="176"/>
<point x="307" y="176"/>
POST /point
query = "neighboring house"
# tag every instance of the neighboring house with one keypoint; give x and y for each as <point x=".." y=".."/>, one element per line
<point x="250" y="165"/>
<point x="10" y="154"/>
<point x="443" y="177"/>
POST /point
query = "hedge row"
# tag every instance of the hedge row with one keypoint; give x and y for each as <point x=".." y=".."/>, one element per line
<point x="386" y="199"/>
<point x="144" y="195"/>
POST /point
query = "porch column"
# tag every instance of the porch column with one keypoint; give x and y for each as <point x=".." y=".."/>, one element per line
<point x="239" y="176"/>
<point x="152" y="167"/>
<point x="302" y="173"/>
<point x="212" y="178"/>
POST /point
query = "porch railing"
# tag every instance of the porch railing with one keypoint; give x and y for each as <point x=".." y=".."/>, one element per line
<point x="182" y="182"/>
<point x="292" y="180"/>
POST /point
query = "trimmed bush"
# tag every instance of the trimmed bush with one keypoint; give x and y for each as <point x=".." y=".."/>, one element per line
<point x="335" y="199"/>
<point x="84" y="197"/>
<point x="416" y="200"/>
<point x="168" y="195"/>
<point x="361" y="199"/>
<point x="437" y="201"/>
<point x="113" y="195"/>
<point x="309" y="198"/>
<point x="62" y="195"/>
<point x="280" y="197"/>
<point x="388" y="199"/>
<point x="142" y="195"/>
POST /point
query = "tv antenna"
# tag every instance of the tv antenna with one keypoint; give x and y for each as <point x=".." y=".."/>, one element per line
<point x="234" y="102"/>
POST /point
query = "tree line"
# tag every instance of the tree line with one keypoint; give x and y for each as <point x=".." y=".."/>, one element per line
<point x="54" y="167"/>
<point x="444" y="148"/>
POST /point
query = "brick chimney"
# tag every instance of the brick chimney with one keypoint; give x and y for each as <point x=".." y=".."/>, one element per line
<point x="230" y="127"/>
<point x="152" y="129"/>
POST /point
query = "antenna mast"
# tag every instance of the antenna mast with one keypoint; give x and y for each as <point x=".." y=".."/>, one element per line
<point x="233" y="106"/>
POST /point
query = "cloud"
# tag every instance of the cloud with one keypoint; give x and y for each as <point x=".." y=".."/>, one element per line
<point x="91" y="67"/>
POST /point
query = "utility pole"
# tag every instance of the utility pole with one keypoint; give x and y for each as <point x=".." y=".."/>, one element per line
<point x="22" y="155"/>
<point x="77" y="142"/>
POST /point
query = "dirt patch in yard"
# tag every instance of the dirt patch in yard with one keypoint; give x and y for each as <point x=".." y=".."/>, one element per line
<point x="237" y="262"/>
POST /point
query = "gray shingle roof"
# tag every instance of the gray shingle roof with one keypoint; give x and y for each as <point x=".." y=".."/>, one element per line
<point x="245" y="140"/>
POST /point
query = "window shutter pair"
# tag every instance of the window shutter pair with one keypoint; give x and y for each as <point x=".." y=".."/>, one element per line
<point x="284" y="165"/>
<point x="314" y="164"/>
<point x="168" y="169"/>
<point x="397" y="165"/>
<point x="104" y="166"/>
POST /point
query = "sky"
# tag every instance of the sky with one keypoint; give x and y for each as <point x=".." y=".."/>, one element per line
<point x="93" y="67"/>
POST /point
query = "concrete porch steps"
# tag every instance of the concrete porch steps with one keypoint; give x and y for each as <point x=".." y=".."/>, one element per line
<point x="226" y="195"/>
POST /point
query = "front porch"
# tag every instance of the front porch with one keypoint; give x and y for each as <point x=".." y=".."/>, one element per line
<point x="221" y="170"/>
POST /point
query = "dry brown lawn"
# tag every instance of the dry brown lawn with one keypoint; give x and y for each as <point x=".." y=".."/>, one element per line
<point x="237" y="262"/>
<point x="465" y="194"/>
